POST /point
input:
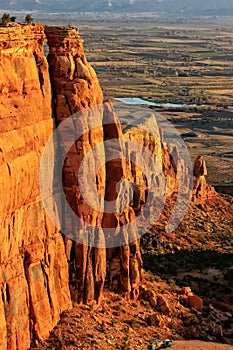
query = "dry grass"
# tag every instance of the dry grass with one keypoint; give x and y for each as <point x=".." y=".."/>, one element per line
<point x="167" y="62"/>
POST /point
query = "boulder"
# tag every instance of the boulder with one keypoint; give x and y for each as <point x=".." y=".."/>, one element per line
<point x="163" y="305"/>
<point x="196" y="302"/>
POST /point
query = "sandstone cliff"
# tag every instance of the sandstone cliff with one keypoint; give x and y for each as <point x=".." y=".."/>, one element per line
<point x="102" y="246"/>
<point x="76" y="88"/>
<point x="33" y="266"/>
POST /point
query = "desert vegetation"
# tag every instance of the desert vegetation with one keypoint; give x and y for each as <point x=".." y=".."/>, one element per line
<point x="7" y="18"/>
<point x="165" y="62"/>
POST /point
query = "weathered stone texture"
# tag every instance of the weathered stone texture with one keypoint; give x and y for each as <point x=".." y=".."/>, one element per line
<point x="33" y="266"/>
<point x="124" y="262"/>
<point x="202" y="192"/>
<point x="33" y="256"/>
<point x="76" y="88"/>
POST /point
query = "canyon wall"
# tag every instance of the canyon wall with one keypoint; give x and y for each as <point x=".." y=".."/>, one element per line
<point x="76" y="88"/>
<point x="102" y="247"/>
<point x="33" y="265"/>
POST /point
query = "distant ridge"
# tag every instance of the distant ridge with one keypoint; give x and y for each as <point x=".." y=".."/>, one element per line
<point x="184" y="7"/>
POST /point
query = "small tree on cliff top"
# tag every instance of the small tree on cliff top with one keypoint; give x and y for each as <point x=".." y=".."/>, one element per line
<point x="29" y="19"/>
<point x="6" y="18"/>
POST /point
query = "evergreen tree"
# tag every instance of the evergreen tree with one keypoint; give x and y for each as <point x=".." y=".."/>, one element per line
<point x="28" y="19"/>
<point x="6" y="18"/>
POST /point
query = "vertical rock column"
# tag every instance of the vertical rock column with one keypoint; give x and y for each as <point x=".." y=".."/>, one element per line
<point x="202" y="192"/>
<point x="200" y="172"/>
<point x="34" y="286"/>
<point x="124" y="261"/>
<point x="76" y="88"/>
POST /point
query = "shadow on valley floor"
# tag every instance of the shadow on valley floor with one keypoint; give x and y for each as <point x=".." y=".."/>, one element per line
<point x="209" y="273"/>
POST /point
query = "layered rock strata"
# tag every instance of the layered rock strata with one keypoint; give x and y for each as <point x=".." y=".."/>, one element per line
<point x="121" y="232"/>
<point x="33" y="266"/>
<point x="101" y="244"/>
<point x="76" y="89"/>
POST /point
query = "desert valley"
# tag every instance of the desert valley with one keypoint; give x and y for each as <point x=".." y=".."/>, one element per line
<point x="93" y="278"/>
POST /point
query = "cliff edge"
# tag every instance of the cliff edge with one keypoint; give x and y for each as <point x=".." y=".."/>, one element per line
<point x="41" y="270"/>
<point x="33" y="265"/>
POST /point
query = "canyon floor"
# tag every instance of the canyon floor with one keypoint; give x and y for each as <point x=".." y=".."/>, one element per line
<point x="179" y="61"/>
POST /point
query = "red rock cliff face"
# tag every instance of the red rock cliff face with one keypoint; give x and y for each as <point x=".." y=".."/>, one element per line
<point x="76" y="88"/>
<point x="123" y="257"/>
<point x="33" y="266"/>
<point x="33" y="257"/>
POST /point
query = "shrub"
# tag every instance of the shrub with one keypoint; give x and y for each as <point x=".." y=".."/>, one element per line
<point x="150" y="321"/>
<point x="6" y="18"/>
<point x="29" y="19"/>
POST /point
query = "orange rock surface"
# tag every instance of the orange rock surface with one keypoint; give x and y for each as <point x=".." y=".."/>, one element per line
<point x="202" y="192"/>
<point x="124" y="262"/>
<point x="33" y="266"/>
<point x="76" y="88"/>
<point x="33" y="256"/>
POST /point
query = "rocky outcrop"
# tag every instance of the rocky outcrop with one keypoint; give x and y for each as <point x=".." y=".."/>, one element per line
<point x="33" y="266"/>
<point x="202" y="192"/>
<point x="76" y="88"/>
<point x="123" y="257"/>
<point x="190" y="299"/>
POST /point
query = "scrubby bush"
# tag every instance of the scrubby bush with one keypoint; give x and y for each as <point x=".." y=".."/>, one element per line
<point x="6" y="18"/>
<point x="29" y="19"/>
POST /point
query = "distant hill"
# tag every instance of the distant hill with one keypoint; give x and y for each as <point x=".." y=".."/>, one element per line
<point x="189" y="7"/>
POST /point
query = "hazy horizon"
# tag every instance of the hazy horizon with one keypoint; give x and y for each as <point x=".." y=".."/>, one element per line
<point x="174" y="7"/>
